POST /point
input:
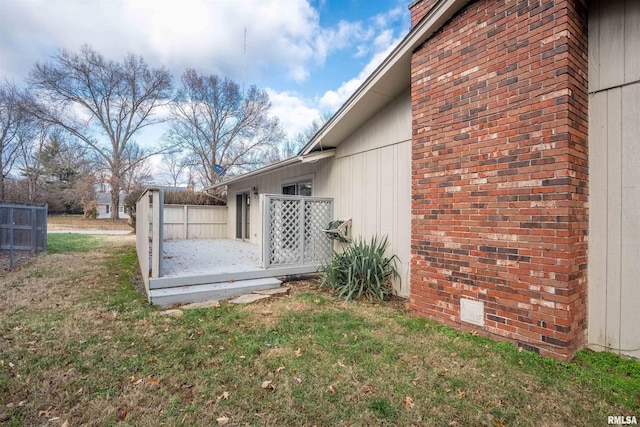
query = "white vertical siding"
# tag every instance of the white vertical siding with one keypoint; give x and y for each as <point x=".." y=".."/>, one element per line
<point x="614" y="43"/>
<point x="614" y="176"/>
<point x="373" y="187"/>
<point x="271" y="183"/>
<point x="369" y="179"/>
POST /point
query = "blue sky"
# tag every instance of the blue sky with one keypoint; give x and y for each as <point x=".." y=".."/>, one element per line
<point x="310" y="55"/>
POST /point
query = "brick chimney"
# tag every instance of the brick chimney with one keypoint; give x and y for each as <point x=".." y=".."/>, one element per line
<point x="420" y="8"/>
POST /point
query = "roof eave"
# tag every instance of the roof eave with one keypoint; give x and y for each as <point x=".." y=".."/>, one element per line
<point x="309" y="158"/>
<point x="392" y="70"/>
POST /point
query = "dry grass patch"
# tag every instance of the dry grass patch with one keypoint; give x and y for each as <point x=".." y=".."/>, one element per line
<point x="78" y="222"/>
<point x="92" y="353"/>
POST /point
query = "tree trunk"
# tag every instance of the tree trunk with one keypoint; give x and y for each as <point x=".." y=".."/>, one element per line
<point x="115" y="197"/>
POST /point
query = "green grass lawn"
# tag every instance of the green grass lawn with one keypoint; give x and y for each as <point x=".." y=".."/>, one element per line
<point x="84" y="347"/>
<point x="67" y="242"/>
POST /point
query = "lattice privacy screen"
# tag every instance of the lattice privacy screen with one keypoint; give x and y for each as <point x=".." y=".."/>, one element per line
<point x="292" y="230"/>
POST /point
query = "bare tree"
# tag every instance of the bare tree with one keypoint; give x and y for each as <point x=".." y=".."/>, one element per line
<point x="136" y="171"/>
<point x="101" y="102"/>
<point x="292" y="146"/>
<point x="15" y="129"/>
<point x="220" y="125"/>
<point x="175" y="165"/>
<point x="29" y="161"/>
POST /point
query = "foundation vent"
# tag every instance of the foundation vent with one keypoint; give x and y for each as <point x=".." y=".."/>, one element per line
<point x="472" y="311"/>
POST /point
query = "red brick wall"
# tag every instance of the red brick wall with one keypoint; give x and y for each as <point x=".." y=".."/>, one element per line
<point x="419" y="9"/>
<point x="499" y="172"/>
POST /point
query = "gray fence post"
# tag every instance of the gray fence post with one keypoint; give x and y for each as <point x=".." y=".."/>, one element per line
<point x="34" y="230"/>
<point x="45" y="216"/>
<point x="11" y="230"/>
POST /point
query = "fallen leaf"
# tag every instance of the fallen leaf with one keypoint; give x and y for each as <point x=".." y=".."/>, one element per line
<point x="461" y="394"/>
<point x="454" y="354"/>
<point x="331" y="390"/>
<point x="65" y="424"/>
<point x="154" y="381"/>
<point x="47" y="412"/>
<point x="298" y="352"/>
<point x="520" y="362"/>
<point x="298" y="380"/>
<point x="137" y="383"/>
<point x="474" y="333"/>
<point x="280" y="369"/>
<point x="268" y="385"/>
<point x="122" y="414"/>
<point x="498" y="423"/>
<point x="408" y="402"/>
<point x="224" y="396"/>
<point x="222" y="421"/>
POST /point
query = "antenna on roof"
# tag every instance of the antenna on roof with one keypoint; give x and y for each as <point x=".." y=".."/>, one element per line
<point x="244" y="65"/>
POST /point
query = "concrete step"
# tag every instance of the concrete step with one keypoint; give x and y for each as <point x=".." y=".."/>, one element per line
<point x="213" y="291"/>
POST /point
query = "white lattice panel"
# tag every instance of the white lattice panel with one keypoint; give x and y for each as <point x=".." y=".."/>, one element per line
<point x="293" y="230"/>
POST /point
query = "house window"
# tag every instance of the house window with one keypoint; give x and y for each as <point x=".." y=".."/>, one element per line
<point x="302" y="188"/>
<point x="107" y="206"/>
<point x="121" y="209"/>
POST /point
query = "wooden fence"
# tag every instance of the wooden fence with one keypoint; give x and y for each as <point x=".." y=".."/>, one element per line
<point x="157" y="222"/>
<point x="194" y="222"/>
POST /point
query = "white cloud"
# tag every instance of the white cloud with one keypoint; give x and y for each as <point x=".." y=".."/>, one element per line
<point x="379" y="45"/>
<point x="294" y="112"/>
<point x="282" y="36"/>
<point x="204" y="34"/>
<point x="333" y="99"/>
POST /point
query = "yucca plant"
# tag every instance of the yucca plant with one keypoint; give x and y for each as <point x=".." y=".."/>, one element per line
<point x="362" y="271"/>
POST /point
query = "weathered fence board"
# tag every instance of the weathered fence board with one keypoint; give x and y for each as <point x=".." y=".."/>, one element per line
<point x="194" y="222"/>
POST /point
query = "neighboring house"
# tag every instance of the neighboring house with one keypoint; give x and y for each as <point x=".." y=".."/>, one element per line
<point x="105" y="207"/>
<point x="497" y="146"/>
